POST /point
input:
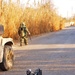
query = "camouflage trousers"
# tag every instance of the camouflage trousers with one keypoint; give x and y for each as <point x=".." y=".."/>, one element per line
<point x="23" y="40"/>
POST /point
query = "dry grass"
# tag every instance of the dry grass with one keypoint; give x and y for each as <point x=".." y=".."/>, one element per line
<point x="40" y="20"/>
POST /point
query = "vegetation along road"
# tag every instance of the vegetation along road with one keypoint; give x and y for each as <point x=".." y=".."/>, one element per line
<point x="53" y="52"/>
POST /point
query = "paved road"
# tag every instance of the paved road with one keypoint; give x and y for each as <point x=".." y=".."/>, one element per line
<point x="54" y="53"/>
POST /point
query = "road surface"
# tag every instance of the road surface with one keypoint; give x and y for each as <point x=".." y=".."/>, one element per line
<point x="53" y="53"/>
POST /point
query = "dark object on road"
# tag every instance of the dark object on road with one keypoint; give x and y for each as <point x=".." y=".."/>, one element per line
<point x="28" y="72"/>
<point x="36" y="72"/>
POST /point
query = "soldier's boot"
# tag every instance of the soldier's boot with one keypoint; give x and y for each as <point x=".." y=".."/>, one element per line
<point x="25" y="41"/>
<point x="21" y="42"/>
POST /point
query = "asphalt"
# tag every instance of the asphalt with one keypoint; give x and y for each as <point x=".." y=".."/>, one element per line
<point x="53" y="53"/>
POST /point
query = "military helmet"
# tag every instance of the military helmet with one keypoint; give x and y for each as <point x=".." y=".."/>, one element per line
<point x="23" y="24"/>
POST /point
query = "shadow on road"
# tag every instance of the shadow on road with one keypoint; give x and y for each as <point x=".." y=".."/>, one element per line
<point x="65" y="36"/>
<point x="54" y="53"/>
<point x="50" y="60"/>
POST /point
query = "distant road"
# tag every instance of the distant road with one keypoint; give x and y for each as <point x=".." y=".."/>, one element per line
<point x="53" y="52"/>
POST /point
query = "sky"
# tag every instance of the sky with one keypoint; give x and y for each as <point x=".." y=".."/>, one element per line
<point x="65" y="8"/>
<point x="30" y="2"/>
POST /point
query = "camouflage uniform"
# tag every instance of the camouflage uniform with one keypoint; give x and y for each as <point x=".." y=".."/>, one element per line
<point x="23" y="31"/>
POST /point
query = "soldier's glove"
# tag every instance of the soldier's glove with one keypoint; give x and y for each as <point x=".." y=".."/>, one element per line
<point x="29" y="33"/>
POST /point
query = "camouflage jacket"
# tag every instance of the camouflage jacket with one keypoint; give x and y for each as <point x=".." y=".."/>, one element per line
<point x="23" y="31"/>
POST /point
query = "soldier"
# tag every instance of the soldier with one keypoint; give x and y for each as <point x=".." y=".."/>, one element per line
<point x="23" y="31"/>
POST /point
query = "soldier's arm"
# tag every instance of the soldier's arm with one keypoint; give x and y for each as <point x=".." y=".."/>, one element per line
<point x="28" y="31"/>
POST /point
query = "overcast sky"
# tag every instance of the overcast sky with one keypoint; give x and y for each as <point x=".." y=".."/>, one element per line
<point x="66" y="8"/>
